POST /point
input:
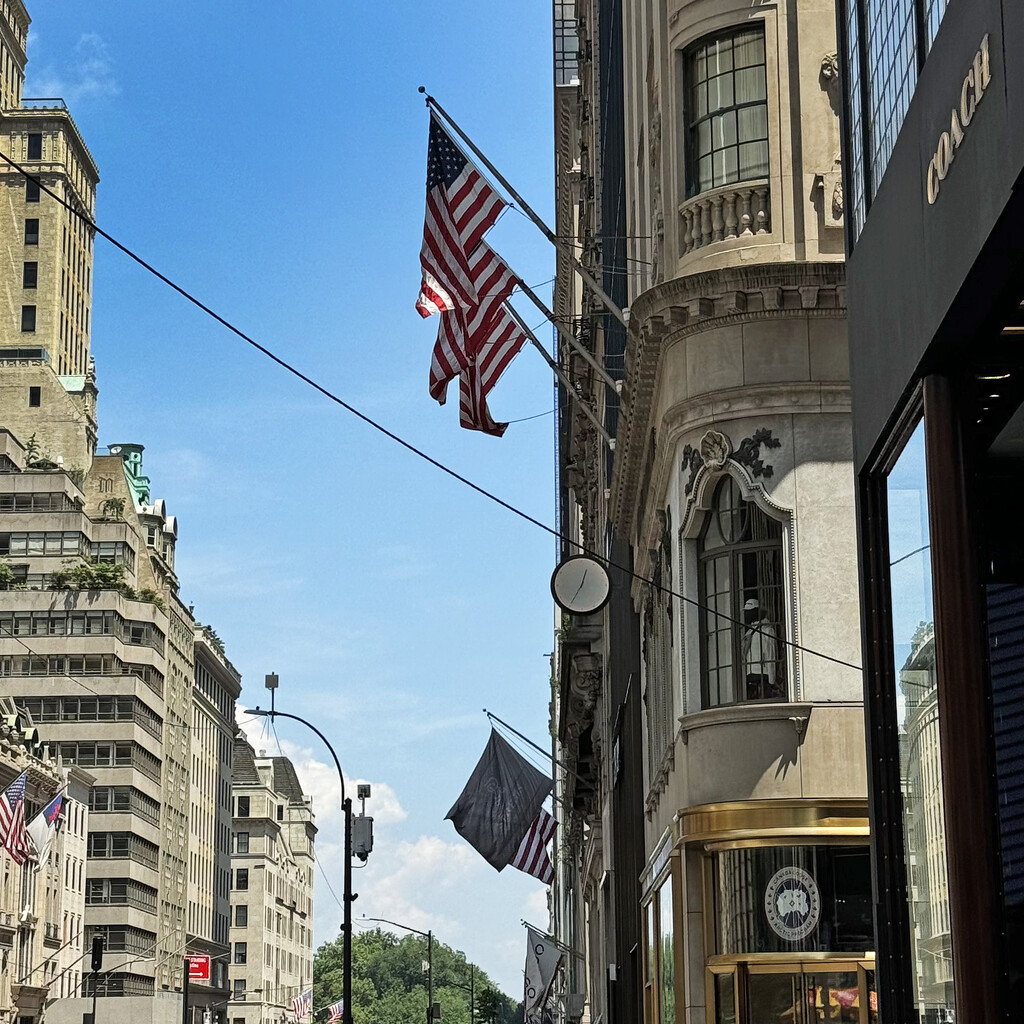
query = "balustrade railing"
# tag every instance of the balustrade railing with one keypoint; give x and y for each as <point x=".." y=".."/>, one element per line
<point x="733" y="211"/>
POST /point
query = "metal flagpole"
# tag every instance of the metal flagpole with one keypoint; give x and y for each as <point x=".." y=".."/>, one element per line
<point x="606" y="300"/>
<point x="567" y="335"/>
<point x="591" y="415"/>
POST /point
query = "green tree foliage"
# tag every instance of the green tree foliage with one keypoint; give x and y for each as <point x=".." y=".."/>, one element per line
<point x="389" y="982"/>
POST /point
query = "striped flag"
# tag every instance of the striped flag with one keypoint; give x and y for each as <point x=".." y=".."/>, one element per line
<point x="13" y="835"/>
<point x="532" y="855"/>
<point x="335" y="1012"/>
<point x="43" y="827"/>
<point x="463" y="332"/>
<point x="461" y="206"/>
<point x="476" y="381"/>
<point x="302" y="1005"/>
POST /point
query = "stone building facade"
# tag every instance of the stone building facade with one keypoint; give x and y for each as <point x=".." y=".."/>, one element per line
<point x="42" y="902"/>
<point x="726" y="510"/>
<point x="96" y="648"/>
<point x="272" y="888"/>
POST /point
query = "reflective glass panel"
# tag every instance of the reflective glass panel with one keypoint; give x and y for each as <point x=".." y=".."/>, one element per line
<point x="917" y="715"/>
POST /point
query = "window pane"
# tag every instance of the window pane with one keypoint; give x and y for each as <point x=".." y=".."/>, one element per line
<point x="748" y="49"/>
<point x="917" y="714"/>
<point x="725" y="999"/>
<point x="725" y="166"/>
<point x="666" y="957"/>
<point x="724" y="129"/>
<point x="720" y="92"/>
<point x="754" y="160"/>
<point x="753" y="123"/>
<point x="750" y="85"/>
<point x="720" y="57"/>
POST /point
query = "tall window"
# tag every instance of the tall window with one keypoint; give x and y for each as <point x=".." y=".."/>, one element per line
<point x="28" y="318"/>
<point x="726" y="110"/>
<point x="32" y="231"/>
<point x="35" y="145"/>
<point x="31" y="190"/>
<point x="30" y="274"/>
<point x="742" y="601"/>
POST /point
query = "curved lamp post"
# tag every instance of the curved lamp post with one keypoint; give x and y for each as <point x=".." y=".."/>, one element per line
<point x="429" y="936"/>
<point x="346" y="807"/>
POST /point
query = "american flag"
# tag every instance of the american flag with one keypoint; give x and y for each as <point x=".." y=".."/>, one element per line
<point x="302" y="1005"/>
<point x="335" y="1012"/>
<point x="461" y="206"/>
<point x="532" y="855"/>
<point x="505" y="339"/>
<point x="461" y="334"/>
<point x="13" y="834"/>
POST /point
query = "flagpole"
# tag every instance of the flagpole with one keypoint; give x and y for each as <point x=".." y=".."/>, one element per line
<point x="566" y="383"/>
<point x="567" y="336"/>
<point x="546" y="753"/>
<point x="607" y="301"/>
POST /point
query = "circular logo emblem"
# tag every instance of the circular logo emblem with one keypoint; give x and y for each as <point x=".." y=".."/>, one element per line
<point x="792" y="903"/>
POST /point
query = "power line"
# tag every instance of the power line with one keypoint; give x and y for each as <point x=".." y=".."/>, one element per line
<point x="407" y="445"/>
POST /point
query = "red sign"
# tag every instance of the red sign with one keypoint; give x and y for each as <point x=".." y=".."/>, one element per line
<point x="198" y="968"/>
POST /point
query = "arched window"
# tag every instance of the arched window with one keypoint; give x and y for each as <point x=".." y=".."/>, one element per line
<point x="741" y="581"/>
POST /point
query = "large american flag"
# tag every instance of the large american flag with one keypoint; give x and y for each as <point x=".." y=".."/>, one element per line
<point x="13" y="834"/>
<point x="532" y="855"/>
<point x="462" y="333"/>
<point x="302" y="1005"/>
<point x="335" y="1012"/>
<point x="505" y="339"/>
<point x="461" y="206"/>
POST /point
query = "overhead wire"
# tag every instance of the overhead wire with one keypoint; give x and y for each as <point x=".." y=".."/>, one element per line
<point x="399" y="440"/>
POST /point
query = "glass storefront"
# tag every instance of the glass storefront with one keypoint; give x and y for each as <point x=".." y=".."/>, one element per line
<point x="917" y="715"/>
<point x="776" y="905"/>
<point x="793" y="899"/>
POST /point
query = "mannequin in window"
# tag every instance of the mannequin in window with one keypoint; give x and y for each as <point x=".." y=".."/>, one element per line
<point x="760" y="653"/>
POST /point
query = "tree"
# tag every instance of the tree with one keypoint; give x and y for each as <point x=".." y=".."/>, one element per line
<point x="389" y="983"/>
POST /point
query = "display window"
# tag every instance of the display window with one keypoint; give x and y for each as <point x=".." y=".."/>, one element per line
<point x="660" y="952"/>
<point x="792" y="934"/>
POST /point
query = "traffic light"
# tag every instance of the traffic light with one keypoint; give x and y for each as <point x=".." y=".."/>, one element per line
<point x="97" y="953"/>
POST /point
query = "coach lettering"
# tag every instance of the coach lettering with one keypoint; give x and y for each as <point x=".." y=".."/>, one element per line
<point x="973" y="88"/>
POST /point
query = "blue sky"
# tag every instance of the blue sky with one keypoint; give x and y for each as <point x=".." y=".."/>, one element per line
<point x="270" y="158"/>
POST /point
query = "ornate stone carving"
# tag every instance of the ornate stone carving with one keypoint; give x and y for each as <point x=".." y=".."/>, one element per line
<point x="749" y="453"/>
<point x="715" y="449"/>
<point x="690" y="464"/>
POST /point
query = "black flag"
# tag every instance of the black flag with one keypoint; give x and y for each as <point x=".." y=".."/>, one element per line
<point x="499" y="803"/>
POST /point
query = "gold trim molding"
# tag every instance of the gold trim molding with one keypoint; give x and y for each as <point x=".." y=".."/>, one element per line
<point x="837" y="818"/>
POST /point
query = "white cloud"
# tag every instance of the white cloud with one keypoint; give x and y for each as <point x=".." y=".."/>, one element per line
<point x="320" y="780"/>
<point x="88" y="76"/>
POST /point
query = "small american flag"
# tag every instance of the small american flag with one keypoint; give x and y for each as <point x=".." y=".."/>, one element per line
<point x="335" y="1012"/>
<point x="505" y="339"/>
<point x="532" y="855"/>
<point x="13" y="834"/>
<point x="461" y="206"/>
<point x="462" y="333"/>
<point x="302" y="1005"/>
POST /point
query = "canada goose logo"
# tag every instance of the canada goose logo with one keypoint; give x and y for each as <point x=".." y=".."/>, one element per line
<point x="792" y="903"/>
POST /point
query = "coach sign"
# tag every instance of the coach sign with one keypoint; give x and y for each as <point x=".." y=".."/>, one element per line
<point x="971" y="92"/>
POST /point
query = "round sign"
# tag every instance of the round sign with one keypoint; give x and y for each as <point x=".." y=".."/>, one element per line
<point x="793" y="903"/>
<point x="580" y="585"/>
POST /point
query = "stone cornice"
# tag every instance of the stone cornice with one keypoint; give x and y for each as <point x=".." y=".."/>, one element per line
<point x="689" y="305"/>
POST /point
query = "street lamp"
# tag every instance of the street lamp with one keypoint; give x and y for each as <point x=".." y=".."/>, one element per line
<point x="346" y="806"/>
<point x="429" y="936"/>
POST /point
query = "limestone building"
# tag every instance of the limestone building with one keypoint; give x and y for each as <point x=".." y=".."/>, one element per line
<point x="272" y="888"/>
<point x="714" y="854"/>
<point x="217" y="686"/>
<point x="42" y="901"/>
<point x="95" y="643"/>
